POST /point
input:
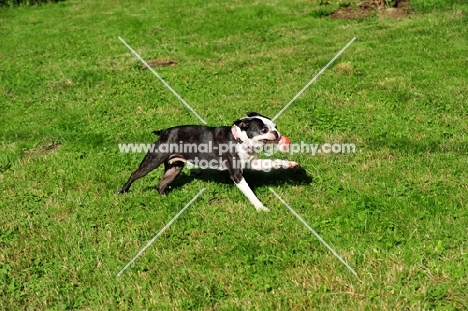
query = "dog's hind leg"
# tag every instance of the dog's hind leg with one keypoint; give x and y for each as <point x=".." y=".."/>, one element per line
<point x="171" y="171"/>
<point x="151" y="161"/>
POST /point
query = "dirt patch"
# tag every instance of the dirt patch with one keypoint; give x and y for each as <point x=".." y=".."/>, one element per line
<point x="44" y="149"/>
<point x="159" y="63"/>
<point x="367" y="8"/>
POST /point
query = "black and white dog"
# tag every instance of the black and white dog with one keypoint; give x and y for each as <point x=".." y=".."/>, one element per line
<point x="230" y="148"/>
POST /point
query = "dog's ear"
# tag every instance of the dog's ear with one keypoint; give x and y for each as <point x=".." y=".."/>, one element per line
<point x="256" y="114"/>
<point x="253" y="114"/>
<point x="242" y="124"/>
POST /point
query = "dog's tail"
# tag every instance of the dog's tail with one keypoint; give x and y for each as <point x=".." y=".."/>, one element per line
<point x="157" y="132"/>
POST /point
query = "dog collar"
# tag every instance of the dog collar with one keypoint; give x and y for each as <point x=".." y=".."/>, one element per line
<point x="239" y="141"/>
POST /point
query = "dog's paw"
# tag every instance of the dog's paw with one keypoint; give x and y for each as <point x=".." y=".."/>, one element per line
<point x="292" y="164"/>
<point x="262" y="208"/>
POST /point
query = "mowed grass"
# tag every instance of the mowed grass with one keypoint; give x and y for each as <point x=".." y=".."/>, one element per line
<point x="396" y="210"/>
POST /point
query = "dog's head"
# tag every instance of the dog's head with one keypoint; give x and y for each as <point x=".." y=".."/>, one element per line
<point x="257" y="130"/>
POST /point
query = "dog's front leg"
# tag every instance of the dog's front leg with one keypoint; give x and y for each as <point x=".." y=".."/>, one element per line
<point x="244" y="187"/>
<point x="267" y="164"/>
<point x="239" y="181"/>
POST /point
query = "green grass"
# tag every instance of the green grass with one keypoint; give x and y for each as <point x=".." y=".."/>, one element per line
<point x="396" y="210"/>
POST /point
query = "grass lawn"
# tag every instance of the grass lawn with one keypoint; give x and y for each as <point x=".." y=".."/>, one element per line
<point x="396" y="210"/>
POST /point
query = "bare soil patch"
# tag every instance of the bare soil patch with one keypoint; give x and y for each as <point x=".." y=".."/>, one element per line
<point x="159" y="63"/>
<point x="367" y="8"/>
<point x="41" y="150"/>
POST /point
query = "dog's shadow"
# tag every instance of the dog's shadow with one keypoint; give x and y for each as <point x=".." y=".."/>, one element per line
<point x="295" y="176"/>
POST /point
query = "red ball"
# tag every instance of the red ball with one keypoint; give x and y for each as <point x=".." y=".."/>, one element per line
<point x="283" y="144"/>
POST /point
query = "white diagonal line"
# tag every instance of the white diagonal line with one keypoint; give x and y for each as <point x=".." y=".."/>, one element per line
<point x="315" y="233"/>
<point x="159" y="233"/>
<point x="313" y="79"/>
<point x="162" y="80"/>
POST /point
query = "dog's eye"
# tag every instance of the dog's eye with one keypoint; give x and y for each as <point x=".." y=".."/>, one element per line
<point x="265" y="130"/>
